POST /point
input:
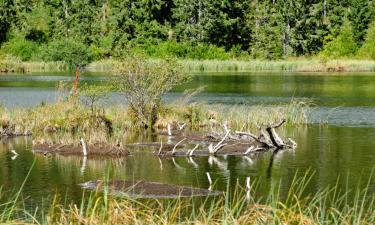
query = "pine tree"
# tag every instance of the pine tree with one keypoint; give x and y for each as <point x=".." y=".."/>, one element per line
<point x="368" y="48"/>
<point x="343" y="45"/>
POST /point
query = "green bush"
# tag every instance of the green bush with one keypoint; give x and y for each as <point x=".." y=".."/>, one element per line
<point x="343" y="45"/>
<point x="20" y="47"/>
<point x="183" y="50"/>
<point x="368" y="48"/>
<point x="68" y="50"/>
<point x="144" y="83"/>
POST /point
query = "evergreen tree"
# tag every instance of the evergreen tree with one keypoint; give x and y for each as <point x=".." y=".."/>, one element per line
<point x="7" y="16"/>
<point x="266" y="34"/>
<point x="343" y="45"/>
<point x="368" y="48"/>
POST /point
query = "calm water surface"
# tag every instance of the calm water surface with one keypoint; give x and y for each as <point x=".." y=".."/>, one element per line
<point x="344" y="147"/>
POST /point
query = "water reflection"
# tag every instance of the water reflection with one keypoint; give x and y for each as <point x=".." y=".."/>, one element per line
<point x="341" y="99"/>
<point x="331" y="152"/>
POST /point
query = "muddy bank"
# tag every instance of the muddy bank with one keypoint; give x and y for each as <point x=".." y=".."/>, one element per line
<point x="145" y="189"/>
<point x="70" y="149"/>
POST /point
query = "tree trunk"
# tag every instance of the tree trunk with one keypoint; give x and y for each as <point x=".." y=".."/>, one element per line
<point x="75" y="85"/>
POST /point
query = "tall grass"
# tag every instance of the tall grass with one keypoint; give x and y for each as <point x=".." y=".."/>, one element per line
<point x="66" y="120"/>
<point x="289" y="65"/>
<point x="212" y="65"/>
<point x="331" y="205"/>
<point x="11" y="211"/>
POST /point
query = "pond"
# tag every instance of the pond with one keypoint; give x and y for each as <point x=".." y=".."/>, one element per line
<point x="342" y="148"/>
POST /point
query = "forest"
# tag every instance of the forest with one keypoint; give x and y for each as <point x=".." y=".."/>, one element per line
<point x="60" y="30"/>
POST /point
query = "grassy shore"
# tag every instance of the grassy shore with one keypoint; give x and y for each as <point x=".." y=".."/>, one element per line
<point x="327" y="206"/>
<point x="288" y="65"/>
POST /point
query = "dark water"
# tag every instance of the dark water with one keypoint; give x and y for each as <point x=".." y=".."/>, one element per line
<point x="342" y="148"/>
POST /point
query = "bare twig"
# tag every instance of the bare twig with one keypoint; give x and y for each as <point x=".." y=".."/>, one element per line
<point x="248" y="134"/>
<point x="213" y="149"/>
<point x="161" y="147"/>
<point x="279" y="124"/>
<point x="181" y="126"/>
<point x="190" y="152"/>
<point x="174" y="148"/>
<point x="84" y="147"/>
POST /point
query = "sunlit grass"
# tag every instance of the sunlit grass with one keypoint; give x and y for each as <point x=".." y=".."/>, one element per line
<point x="331" y="205"/>
<point x="286" y="65"/>
<point x="289" y="65"/>
<point x="67" y="120"/>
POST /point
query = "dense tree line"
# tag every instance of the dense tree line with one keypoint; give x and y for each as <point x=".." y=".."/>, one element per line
<point x="271" y="29"/>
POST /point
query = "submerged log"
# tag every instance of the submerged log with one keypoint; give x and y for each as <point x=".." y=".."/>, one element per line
<point x="70" y="149"/>
<point x="145" y="189"/>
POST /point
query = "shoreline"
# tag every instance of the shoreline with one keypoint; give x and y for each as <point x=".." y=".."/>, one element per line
<point x="235" y="65"/>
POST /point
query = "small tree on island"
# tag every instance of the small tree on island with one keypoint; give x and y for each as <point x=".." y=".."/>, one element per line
<point x="91" y="95"/>
<point x="144" y="82"/>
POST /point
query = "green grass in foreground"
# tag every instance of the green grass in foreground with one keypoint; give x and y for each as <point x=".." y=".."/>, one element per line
<point x="327" y="206"/>
<point x="288" y="65"/>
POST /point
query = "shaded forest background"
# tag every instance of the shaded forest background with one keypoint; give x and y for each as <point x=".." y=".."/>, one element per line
<point x="59" y="30"/>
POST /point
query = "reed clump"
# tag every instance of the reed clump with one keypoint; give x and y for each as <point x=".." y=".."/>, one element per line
<point x="12" y="64"/>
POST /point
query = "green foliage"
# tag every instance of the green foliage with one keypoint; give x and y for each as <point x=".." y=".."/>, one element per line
<point x="195" y="29"/>
<point x="20" y="47"/>
<point x="144" y="82"/>
<point x="6" y="18"/>
<point x="368" y="48"/>
<point x="92" y="95"/>
<point x="185" y="50"/>
<point x="69" y="50"/>
<point x="343" y="45"/>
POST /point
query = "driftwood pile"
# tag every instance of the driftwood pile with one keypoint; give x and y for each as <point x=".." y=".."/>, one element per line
<point x="226" y="143"/>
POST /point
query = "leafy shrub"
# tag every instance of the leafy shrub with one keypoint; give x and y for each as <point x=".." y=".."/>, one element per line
<point x="91" y="95"/>
<point x="20" y="47"/>
<point x="183" y="50"/>
<point x="144" y="82"/>
<point x="68" y="50"/>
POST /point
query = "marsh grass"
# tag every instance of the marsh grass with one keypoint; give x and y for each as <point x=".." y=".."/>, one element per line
<point x="12" y="64"/>
<point x="331" y="205"/>
<point x="67" y="120"/>
<point x="289" y="65"/>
